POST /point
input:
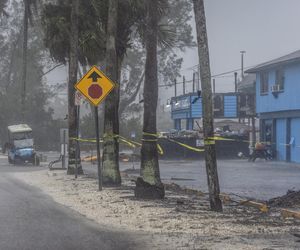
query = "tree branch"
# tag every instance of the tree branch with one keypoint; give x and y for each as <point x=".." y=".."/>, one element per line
<point x="125" y="102"/>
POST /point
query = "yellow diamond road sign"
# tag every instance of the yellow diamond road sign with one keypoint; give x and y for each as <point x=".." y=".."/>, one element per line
<point x="95" y="86"/>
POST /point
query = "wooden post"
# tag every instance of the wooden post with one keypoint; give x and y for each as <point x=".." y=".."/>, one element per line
<point x="208" y="127"/>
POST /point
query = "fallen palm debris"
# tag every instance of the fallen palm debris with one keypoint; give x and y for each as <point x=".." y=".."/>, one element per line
<point x="286" y="213"/>
<point x="290" y="199"/>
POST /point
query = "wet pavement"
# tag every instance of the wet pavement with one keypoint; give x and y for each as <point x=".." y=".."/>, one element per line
<point x="29" y="219"/>
<point x="261" y="179"/>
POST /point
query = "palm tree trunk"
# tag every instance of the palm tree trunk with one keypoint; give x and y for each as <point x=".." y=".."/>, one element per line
<point x="73" y="68"/>
<point x="24" y="58"/>
<point x="208" y="127"/>
<point x="110" y="159"/>
<point x="150" y="186"/>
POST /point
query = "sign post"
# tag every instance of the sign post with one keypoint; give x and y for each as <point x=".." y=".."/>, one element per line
<point x="95" y="86"/>
<point x="78" y="102"/>
<point x="98" y="149"/>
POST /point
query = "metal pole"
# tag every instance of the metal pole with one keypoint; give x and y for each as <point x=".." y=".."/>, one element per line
<point x="64" y="150"/>
<point x="194" y="82"/>
<point x="253" y="139"/>
<point x="242" y="63"/>
<point x="98" y="149"/>
<point x="183" y="85"/>
<point x="175" y="84"/>
<point x="235" y="82"/>
<point x="214" y="85"/>
<point x="77" y="142"/>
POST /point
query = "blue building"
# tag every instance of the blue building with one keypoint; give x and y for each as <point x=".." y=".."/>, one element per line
<point x="278" y="104"/>
<point x="188" y="107"/>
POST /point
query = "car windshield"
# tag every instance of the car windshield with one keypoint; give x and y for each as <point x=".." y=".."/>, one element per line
<point x="21" y="135"/>
<point x="26" y="143"/>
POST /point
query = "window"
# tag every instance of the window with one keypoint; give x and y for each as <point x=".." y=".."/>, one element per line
<point x="280" y="78"/>
<point x="264" y="85"/>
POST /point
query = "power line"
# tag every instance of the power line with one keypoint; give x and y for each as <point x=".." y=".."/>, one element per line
<point x="220" y="74"/>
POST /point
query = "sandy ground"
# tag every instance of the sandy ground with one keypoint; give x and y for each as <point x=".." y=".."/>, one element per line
<point x="177" y="222"/>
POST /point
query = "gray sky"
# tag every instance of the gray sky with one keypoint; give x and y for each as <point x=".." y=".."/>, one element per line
<point x="265" y="29"/>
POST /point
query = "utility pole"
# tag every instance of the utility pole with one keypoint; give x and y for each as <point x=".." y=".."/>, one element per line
<point x="253" y="132"/>
<point x="235" y="82"/>
<point x="214" y="85"/>
<point x="183" y="85"/>
<point x="208" y="123"/>
<point x="242" y="63"/>
<point x="193" y="82"/>
<point x="175" y="85"/>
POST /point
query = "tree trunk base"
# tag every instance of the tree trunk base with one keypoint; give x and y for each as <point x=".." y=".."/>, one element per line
<point x="71" y="171"/>
<point x="144" y="190"/>
<point x="108" y="183"/>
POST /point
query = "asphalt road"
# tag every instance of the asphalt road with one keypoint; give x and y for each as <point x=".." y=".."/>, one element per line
<point x="31" y="220"/>
<point x="261" y="180"/>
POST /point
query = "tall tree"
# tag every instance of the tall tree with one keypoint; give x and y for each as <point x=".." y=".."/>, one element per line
<point x="149" y="155"/>
<point x="208" y="127"/>
<point x="38" y="114"/>
<point x="111" y="173"/>
<point x="73" y="70"/>
<point x="24" y="64"/>
<point x="2" y="7"/>
<point x="27" y="17"/>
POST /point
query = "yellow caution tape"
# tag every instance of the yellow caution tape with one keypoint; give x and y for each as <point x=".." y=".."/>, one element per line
<point x="130" y="143"/>
<point x="219" y="138"/>
<point x="209" y="142"/>
<point x="160" y="150"/>
<point x="85" y="140"/>
<point x="127" y="142"/>
<point x="150" y="140"/>
<point x="186" y="146"/>
<point x="149" y="134"/>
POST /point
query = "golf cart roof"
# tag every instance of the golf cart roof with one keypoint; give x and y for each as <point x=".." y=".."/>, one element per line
<point x="19" y="128"/>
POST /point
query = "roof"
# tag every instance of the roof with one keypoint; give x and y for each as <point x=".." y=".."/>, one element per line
<point x="290" y="58"/>
<point x="19" y="128"/>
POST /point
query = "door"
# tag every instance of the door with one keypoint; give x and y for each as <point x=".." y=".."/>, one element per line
<point x="281" y="139"/>
<point x="295" y="140"/>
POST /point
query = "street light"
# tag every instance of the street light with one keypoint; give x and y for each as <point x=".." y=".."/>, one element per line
<point x="242" y="62"/>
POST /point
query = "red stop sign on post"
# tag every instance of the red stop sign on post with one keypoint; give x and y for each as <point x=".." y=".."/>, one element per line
<point x="95" y="91"/>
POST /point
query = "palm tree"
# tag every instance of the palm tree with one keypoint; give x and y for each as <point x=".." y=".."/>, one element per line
<point x="208" y="127"/>
<point x="110" y="159"/>
<point x="150" y="186"/>
<point x="28" y="16"/>
<point x="2" y="7"/>
<point x="73" y="70"/>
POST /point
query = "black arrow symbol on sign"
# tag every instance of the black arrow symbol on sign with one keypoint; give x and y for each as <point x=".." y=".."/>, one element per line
<point x="94" y="76"/>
